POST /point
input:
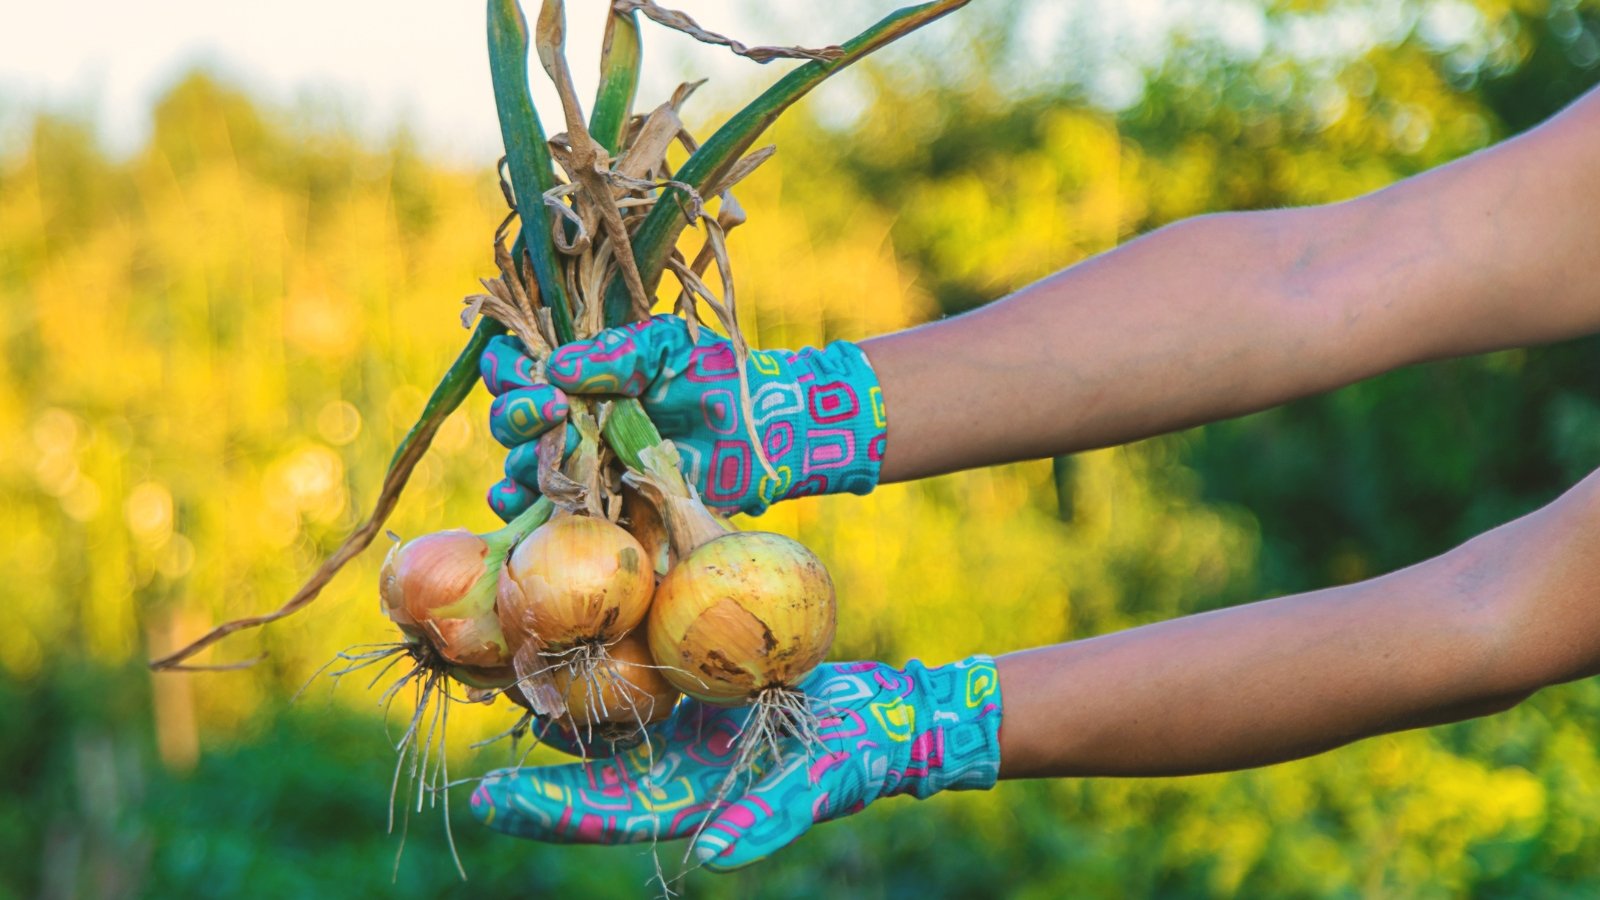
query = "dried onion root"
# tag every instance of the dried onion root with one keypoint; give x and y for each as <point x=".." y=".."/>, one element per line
<point x="620" y="695"/>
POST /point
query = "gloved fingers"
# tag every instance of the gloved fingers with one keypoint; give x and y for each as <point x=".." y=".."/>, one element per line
<point x="659" y="790"/>
<point x="581" y="802"/>
<point x="505" y="366"/>
<point x="623" y="360"/>
<point x="512" y="495"/>
<point x="721" y="472"/>
<point x="522" y="463"/>
<point x="724" y="473"/>
<point x="510" y="499"/>
<point x="768" y="818"/>
<point x="518" y="416"/>
<point x="612" y="801"/>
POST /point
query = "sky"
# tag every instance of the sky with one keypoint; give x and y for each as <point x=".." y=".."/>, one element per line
<point x="422" y="62"/>
<point x="379" y="63"/>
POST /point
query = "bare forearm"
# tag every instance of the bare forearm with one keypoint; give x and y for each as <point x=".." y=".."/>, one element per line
<point x="1224" y="315"/>
<point x="1466" y="634"/>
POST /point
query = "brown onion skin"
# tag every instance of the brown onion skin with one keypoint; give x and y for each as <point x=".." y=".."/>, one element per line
<point x="741" y="613"/>
<point x="477" y="643"/>
<point x="424" y="577"/>
<point x="645" y="524"/>
<point x="576" y="579"/>
<point x="649" y="699"/>
<point x="644" y="521"/>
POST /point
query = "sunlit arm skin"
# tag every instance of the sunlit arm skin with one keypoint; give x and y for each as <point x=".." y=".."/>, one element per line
<point x="1466" y="634"/>
<point x="1226" y="314"/>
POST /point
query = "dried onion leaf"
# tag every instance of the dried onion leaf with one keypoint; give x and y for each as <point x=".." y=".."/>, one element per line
<point x="679" y="21"/>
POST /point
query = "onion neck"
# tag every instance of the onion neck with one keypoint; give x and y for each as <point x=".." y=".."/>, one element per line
<point x="653" y="468"/>
<point x="635" y="440"/>
<point x="573" y="481"/>
<point x="689" y="524"/>
<point x="478" y="601"/>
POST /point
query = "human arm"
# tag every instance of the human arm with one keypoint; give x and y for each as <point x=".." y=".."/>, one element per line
<point x="1223" y="315"/>
<point x="1226" y="314"/>
<point x="1465" y="634"/>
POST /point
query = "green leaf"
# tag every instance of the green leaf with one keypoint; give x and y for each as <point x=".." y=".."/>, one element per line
<point x="527" y="155"/>
<point x="452" y="389"/>
<point x="619" y="80"/>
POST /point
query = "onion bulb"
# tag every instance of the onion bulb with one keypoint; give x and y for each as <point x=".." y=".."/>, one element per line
<point x="643" y="521"/>
<point x="575" y="580"/>
<point x="441" y="588"/>
<point x="393" y="598"/>
<point x="484" y="684"/>
<point x="744" y="613"/>
<point x="575" y="585"/>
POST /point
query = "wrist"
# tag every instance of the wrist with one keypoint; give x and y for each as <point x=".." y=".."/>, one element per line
<point x="838" y="432"/>
<point x="951" y="741"/>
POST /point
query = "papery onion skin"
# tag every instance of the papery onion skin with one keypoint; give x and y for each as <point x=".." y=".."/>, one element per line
<point x="576" y="579"/>
<point x="643" y="518"/>
<point x="428" y="588"/>
<point x="645" y="524"/>
<point x="649" y="699"/>
<point x="744" y="612"/>
<point x="476" y="642"/>
<point x="392" y="597"/>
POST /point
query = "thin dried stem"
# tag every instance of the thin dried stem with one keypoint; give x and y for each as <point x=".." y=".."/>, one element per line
<point x="449" y="394"/>
<point x="510" y="303"/>
<point x="218" y="667"/>
<point x="678" y="21"/>
<point x="730" y="323"/>
<point x="648" y="149"/>
<point x="580" y="240"/>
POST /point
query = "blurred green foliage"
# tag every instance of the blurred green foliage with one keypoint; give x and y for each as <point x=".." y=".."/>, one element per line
<point x="211" y="347"/>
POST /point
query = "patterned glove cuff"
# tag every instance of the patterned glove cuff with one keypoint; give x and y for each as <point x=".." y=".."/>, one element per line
<point x="843" y="422"/>
<point x="957" y="746"/>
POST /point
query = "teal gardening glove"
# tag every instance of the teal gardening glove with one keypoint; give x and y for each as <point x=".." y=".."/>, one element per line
<point x="819" y="413"/>
<point x="885" y="732"/>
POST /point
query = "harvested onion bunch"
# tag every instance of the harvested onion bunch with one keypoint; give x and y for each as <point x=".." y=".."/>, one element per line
<point x="737" y="617"/>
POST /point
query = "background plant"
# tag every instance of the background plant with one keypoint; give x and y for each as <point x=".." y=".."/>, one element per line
<point x="214" y="343"/>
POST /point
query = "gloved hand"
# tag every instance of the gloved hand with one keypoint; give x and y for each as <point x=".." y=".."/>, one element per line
<point x="886" y="731"/>
<point x="819" y="413"/>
